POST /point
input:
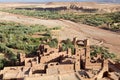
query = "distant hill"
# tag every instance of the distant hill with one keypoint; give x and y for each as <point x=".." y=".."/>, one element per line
<point x="106" y="1"/>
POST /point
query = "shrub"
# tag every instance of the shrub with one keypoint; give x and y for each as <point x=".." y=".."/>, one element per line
<point x="103" y="51"/>
<point x="67" y="44"/>
<point x="1" y="63"/>
<point x="53" y="43"/>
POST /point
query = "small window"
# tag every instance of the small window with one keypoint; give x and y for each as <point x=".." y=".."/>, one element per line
<point x="29" y="61"/>
<point x="51" y="64"/>
<point x="34" y="59"/>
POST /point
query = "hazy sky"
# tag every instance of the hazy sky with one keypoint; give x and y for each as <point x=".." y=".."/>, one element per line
<point x="115" y="1"/>
<point x="36" y="0"/>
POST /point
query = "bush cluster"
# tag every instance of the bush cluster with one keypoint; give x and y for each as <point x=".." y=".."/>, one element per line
<point x="96" y="50"/>
<point x="15" y="36"/>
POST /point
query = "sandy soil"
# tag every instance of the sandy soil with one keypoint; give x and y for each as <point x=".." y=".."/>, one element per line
<point x="70" y="29"/>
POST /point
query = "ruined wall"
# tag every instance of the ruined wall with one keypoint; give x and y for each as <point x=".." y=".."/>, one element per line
<point x="95" y="66"/>
<point x="60" y="69"/>
<point x="48" y="58"/>
<point x="30" y="62"/>
<point x="77" y="60"/>
<point x="99" y="76"/>
<point x="39" y="68"/>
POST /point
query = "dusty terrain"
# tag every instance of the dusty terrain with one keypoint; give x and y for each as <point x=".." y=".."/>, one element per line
<point x="70" y="29"/>
<point x="92" y="5"/>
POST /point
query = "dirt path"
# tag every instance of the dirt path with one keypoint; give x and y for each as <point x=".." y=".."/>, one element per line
<point x="71" y="29"/>
<point x="109" y="39"/>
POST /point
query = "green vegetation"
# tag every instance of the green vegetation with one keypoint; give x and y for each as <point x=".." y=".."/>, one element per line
<point x="117" y="60"/>
<point x="67" y="44"/>
<point x="15" y="37"/>
<point x="96" y="50"/>
<point x="53" y="43"/>
<point x="1" y="63"/>
<point x="106" y="21"/>
<point x="38" y="14"/>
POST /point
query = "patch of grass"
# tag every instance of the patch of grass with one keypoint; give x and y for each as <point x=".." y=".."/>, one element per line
<point x="19" y="37"/>
<point x="16" y="38"/>
<point x="96" y="50"/>
<point x="67" y="44"/>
